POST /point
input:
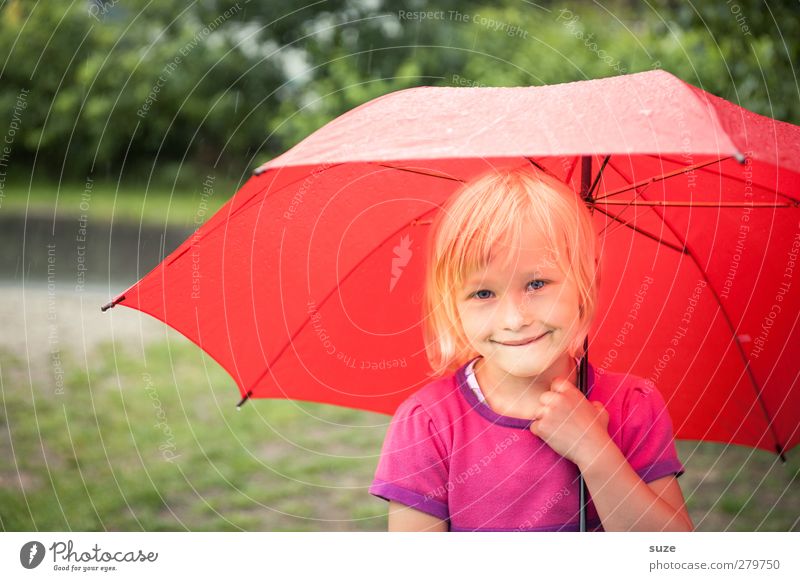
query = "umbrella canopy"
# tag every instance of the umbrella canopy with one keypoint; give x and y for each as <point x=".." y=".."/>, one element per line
<point x="307" y="284"/>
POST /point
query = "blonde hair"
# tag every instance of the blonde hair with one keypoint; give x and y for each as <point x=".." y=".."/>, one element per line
<point x="490" y="210"/>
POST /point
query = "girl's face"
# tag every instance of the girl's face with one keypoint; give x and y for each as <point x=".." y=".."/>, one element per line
<point x="521" y="318"/>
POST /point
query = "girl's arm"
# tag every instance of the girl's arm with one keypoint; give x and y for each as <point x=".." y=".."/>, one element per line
<point x="624" y="502"/>
<point x="578" y="430"/>
<point x="403" y="518"/>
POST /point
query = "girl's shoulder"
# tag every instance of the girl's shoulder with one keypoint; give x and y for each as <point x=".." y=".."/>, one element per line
<point x="612" y="388"/>
<point x="621" y="392"/>
<point x="437" y="400"/>
<point x="431" y="410"/>
<point x="434" y="395"/>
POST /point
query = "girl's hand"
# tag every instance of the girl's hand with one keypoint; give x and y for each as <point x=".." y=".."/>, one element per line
<point x="570" y="424"/>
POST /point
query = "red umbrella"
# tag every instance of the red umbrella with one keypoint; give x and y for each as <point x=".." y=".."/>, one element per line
<point x="307" y="284"/>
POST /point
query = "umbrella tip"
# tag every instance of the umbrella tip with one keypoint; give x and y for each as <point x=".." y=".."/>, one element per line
<point x="779" y="450"/>
<point x="739" y="157"/>
<point x="116" y="301"/>
<point x="244" y="400"/>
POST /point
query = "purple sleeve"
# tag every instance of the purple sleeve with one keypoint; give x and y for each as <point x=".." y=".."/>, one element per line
<point x="647" y="434"/>
<point x="413" y="468"/>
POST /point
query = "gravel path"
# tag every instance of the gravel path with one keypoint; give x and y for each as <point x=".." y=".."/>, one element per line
<point x="44" y="326"/>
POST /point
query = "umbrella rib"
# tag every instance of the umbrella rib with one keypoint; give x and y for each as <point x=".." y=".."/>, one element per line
<point x="663" y="177"/>
<point x="420" y="172"/>
<point x="735" y="178"/>
<point x="690" y="204"/>
<point x="778" y="446"/>
<point x="571" y="170"/>
<point x="594" y="184"/>
<point x="682" y="250"/>
<point x="245" y="205"/>
<point x="415" y="221"/>
<point x="541" y="168"/>
<point x="628" y="203"/>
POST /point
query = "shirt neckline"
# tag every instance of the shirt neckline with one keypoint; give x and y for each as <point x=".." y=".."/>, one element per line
<point x="487" y="412"/>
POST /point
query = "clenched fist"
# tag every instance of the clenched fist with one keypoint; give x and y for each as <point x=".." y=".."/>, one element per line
<point x="570" y="424"/>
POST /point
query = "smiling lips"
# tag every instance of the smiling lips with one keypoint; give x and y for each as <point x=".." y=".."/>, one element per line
<point x="521" y="342"/>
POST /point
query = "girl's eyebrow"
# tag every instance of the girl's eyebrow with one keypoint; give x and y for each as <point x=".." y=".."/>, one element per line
<point x="475" y="279"/>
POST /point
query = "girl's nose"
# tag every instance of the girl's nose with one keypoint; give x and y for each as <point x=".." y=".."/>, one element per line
<point x="515" y="313"/>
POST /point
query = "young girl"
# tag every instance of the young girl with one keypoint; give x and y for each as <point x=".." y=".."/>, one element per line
<point x="497" y="441"/>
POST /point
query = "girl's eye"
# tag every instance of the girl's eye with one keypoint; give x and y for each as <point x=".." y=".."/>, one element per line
<point x="538" y="281"/>
<point x="478" y="294"/>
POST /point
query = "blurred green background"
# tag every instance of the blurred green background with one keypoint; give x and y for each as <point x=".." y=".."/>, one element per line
<point x="135" y="120"/>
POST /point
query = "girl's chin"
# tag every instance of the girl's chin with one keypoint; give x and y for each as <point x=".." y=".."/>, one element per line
<point x="526" y="368"/>
<point x="521" y="365"/>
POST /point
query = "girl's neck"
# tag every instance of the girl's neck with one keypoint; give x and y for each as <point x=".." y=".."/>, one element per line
<point x="499" y="386"/>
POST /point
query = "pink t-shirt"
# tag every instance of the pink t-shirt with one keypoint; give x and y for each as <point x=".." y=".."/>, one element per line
<point x="450" y="455"/>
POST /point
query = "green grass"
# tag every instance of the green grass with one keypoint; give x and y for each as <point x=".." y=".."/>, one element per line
<point x="107" y="201"/>
<point x="93" y="458"/>
<point x="734" y="488"/>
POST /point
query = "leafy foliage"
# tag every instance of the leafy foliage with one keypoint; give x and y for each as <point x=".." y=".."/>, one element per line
<point x="150" y="87"/>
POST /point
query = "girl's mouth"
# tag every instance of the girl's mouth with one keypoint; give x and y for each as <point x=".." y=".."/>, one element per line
<point x="522" y="342"/>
